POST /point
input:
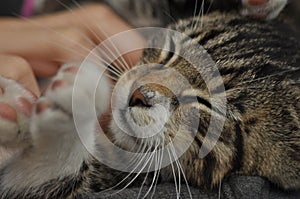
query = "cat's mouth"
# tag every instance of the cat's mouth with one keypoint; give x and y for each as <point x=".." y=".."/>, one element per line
<point x="141" y="116"/>
<point x="143" y="119"/>
<point x="147" y="122"/>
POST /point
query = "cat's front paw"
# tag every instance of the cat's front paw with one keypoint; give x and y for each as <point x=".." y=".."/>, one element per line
<point x="16" y="103"/>
<point x="263" y="9"/>
<point x="68" y="95"/>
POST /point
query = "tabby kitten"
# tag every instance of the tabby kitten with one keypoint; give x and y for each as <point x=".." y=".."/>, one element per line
<point x="259" y="67"/>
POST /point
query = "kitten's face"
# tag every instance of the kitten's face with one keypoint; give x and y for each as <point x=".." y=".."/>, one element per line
<point x="147" y="104"/>
<point x="164" y="101"/>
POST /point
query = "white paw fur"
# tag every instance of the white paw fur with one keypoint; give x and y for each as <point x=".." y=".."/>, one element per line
<point x="15" y="133"/>
<point x="57" y="150"/>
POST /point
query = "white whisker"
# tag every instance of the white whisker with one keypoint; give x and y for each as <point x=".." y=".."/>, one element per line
<point x="123" y="180"/>
<point x="134" y="169"/>
<point x="135" y="161"/>
<point x="186" y="182"/>
<point x="80" y="18"/>
<point x="202" y="14"/>
<point x="94" y="62"/>
<point x="85" y="24"/>
<point x="195" y="12"/>
<point x="149" y="159"/>
<point x="159" y="169"/>
<point x="209" y="7"/>
<point x="174" y="174"/>
<point x="73" y="51"/>
<point x="96" y="35"/>
<point x="109" y="60"/>
<point x="156" y="172"/>
<point x="123" y="62"/>
<point x="220" y="187"/>
<point x="144" y="181"/>
<point x="178" y="170"/>
<point x="169" y="14"/>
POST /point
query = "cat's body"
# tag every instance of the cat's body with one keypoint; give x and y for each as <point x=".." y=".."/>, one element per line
<point x="259" y="63"/>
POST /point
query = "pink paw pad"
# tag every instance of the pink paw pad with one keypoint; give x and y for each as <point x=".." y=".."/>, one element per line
<point x="41" y="106"/>
<point x="26" y="106"/>
<point x="8" y="112"/>
<point x="72" y="69"/>
<point x="58" y="83"/>
<point x="257" y="2"/>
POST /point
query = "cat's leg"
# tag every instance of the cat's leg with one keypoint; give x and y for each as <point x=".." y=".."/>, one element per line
<point x="265" y="9"/>
<point x="57" y="150"/>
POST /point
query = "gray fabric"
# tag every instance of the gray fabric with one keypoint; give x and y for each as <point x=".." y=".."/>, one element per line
<point x="246" y="187"/>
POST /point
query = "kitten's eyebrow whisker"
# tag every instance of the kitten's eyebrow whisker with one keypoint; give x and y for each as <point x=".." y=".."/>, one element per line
<point x="80" y="18"/>
<point x="111" y="67"/>
<point x="209" y="7"/>
<point x="109" y="60"/>
<point x="199" y="17"/>
<point x="64" y="47"/>
<point x="110" y="56"/>
<point x="122" y="62"/>
<point x="98" y="64"/>
<point x="111" y="77"/>
<point x="68" y="39"/>
<point x="202" y="14"/>
<point x="194" y="14"/>
<point x="168" y="14"/>
<point x="95" y="34"/>
<point x="72" y="50"/>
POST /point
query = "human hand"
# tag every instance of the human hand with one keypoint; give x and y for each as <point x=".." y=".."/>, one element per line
<point x="46" y="42"/>
<point x="19" y="69"/>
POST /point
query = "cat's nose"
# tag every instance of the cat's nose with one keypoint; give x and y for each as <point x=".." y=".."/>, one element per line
<point x="138" y="99"/>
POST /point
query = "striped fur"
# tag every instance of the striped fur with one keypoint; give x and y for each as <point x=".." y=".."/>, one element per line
<point x="260" y="66"/>
<point x="259" y="63"/>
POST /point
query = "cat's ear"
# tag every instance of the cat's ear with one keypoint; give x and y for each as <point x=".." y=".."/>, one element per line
<point x="263" y="9"/>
